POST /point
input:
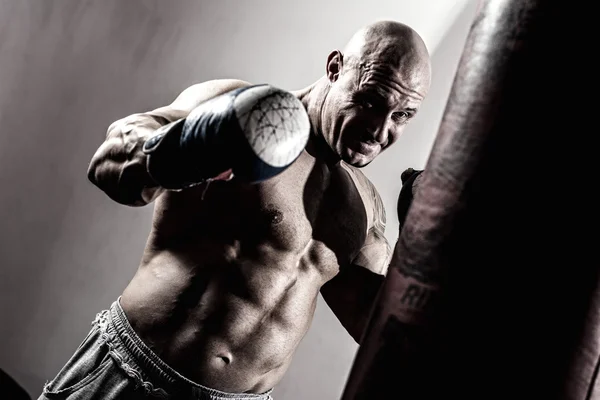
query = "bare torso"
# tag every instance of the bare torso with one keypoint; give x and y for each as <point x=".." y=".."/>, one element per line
<point x="229" y="280"/>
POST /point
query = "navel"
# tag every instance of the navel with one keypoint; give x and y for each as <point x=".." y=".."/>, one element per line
<point x="224" y="359"/>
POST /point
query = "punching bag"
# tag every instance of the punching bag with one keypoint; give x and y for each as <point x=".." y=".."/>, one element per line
<point x="488" y="295"/>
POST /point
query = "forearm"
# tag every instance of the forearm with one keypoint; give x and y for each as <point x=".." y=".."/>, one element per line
<point x="364" y="309"/>
<point x="355" y="319"/>
<point x="351" y="295"/>
<point x="175" y="148"/>
<point x="119" y="165"/>
<point x="412" y="297"/>
<point x="360" y="320"/>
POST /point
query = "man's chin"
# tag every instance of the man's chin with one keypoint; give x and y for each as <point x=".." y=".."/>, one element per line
<point x="357" y="159"/>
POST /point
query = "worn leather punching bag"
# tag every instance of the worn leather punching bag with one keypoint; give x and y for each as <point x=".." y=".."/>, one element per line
<point x="488" y="295"/>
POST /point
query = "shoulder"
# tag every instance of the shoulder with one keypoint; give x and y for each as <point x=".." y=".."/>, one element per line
<point x="371" y="198"/>
<point x="195" y="94"/>
<point x="192" y="96"/>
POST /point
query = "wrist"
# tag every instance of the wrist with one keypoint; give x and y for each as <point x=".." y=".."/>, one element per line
<point x="167" y="163"/>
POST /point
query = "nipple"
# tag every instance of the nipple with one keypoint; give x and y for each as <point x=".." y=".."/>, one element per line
<point x="274" y="216"/>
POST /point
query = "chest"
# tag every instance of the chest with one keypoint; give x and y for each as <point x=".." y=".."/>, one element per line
<point x="307" y="203"/>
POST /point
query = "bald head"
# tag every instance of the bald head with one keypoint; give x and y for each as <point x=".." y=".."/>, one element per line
<point x="371" y="91"/>
<point x="394" y="45"/>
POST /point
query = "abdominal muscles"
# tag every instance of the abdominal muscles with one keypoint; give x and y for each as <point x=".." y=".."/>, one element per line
<point x="229" y="322"/>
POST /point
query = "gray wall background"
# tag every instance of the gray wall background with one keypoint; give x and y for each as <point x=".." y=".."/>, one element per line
<point x="68" y="68"/>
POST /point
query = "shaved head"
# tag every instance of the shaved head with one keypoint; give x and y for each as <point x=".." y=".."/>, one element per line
<point x="394" y="44"/>
<point x="372" y="89"/>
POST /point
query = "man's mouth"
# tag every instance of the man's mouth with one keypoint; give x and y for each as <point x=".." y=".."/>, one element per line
<point x="365" y="148"/>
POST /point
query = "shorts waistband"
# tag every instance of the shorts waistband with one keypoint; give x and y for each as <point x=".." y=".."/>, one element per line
<point x="142" y="364"/>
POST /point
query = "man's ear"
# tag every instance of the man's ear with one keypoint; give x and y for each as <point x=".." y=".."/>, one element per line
<point x="335" y="62"/>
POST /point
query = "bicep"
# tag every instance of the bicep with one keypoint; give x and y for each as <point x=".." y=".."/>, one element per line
<point x="147" y="122"/>
<point x="350" y="295"/>
<point x="370" y="265"/>
<point x="352" y="292"/>
<point x="375" y="254"/>
<point x="195" y="95"/>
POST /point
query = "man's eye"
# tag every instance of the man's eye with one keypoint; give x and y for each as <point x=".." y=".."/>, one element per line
<point x="400" y="116"/>
<point x="365" y="103"/>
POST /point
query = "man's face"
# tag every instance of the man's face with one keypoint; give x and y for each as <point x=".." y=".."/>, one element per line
<point x="368" y="109"/>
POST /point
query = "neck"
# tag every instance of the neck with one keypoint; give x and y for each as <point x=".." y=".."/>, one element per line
<point x="313" y="97"/>
<point x="320" y="150"/>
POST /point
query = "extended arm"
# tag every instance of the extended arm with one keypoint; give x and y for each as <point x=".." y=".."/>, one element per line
<point x="119" y="166"/>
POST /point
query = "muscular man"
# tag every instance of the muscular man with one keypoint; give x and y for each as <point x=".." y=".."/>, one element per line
<point x="239" y="251"/>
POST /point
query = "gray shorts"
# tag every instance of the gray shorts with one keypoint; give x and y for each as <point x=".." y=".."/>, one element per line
<point x="112" y="362"/>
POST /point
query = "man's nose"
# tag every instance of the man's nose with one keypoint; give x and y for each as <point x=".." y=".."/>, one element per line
<point x="378" y="129"/>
